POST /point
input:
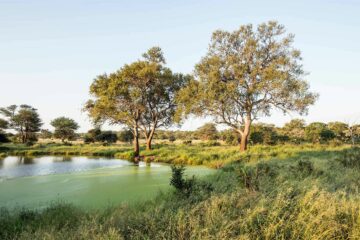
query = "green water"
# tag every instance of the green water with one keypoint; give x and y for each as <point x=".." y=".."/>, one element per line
<point x="86" y="182"/>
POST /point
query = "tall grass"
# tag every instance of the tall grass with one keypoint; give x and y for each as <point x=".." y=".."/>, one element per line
<point x="276" y="193"/>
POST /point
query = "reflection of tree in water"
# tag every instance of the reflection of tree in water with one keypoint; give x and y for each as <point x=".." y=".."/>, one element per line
<point x="26" y="160"/>
<point x="62" y="159"/>
<point x="66" y="159"/>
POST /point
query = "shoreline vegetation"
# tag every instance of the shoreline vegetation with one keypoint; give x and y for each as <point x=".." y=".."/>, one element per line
<point x="209" y="153"/>
<point x="270" y="192"/>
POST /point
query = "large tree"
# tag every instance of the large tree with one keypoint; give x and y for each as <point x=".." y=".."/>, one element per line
<point x="159" y="91"/>
<point x="244" y="75"/>
<point x="139" y="96"/>
<point x="64" y="128"/>
<point x="24" y="119"/>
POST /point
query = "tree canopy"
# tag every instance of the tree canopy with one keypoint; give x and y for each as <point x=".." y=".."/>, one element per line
<point x="64" y="128"/>
<point x="207" y="132"/>
<point x="318" y="132"/>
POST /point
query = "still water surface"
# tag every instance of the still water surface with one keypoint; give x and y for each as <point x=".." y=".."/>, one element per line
<point x="87" y="182"/>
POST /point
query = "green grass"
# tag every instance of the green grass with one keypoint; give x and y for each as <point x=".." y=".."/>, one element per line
<point x="280" y="192"/>
<point x="199" y="154"/>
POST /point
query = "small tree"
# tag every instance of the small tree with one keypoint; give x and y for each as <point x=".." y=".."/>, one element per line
<point x="64" y="128"/>
<point x="24" y="119"/>
<point x="107" y="137"/>
<point x="229" y="136"/>
<point x="125" y="135"/>
<point x="207" y="132"/>
<point x="244" y="75"/>
<point x="3" y="126"/>
<point x="353" y="132"/>
<point x="339" y="129"/>
<point x="318" y="132"/>
<point x="263" y="134"/>
<point x="294" y="130"/>
<point x="91" y="135"/>
<point x="45" y="134"/>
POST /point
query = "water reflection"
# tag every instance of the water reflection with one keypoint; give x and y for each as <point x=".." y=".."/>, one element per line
<point x="20" y="166"/>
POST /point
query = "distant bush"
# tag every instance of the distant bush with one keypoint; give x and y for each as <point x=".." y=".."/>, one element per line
<point x="4" y="138"/>
<point x="212" y="143"/>
<point x="125" y="136"/>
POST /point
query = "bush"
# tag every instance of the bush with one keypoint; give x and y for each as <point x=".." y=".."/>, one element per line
<point x="305" y="167"/>
<point x="178" y="181"/>
<point x="212" y="143"/>
<point x="107" y="137"/>
<point x="249" y="177"/>
<point x="187" y="142"/>
<point x="3" y="138"/>
<point x="29" y="143"/>
<point x="350" y="158"/>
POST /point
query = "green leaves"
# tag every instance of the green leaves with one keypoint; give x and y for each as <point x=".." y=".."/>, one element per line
<point x="245" y="74"/>
<point x="64" y="128"/>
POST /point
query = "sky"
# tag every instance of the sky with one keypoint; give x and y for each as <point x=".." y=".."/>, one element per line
<point x="50" y="51"/>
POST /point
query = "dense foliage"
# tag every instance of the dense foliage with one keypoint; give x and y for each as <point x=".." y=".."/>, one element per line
<point x="64" y="128"/>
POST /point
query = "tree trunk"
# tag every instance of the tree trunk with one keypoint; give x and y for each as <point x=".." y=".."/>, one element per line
<point x="245" y="135"/>
<point x="148" y="144"/>
<point x="149" y="139"/>
<point x="243" y="143"/>
<point x="136" y="142"/>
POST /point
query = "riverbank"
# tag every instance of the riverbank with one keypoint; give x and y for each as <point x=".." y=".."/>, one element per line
<point x="311" y="194"/>
<point x="196" y="154"/>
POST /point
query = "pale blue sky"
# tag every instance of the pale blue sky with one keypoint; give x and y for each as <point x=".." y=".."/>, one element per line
<point x="50" y="51"/>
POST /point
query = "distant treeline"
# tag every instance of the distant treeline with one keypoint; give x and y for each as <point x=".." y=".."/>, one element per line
<point x="295" y="131"/>
<point x="26" y="122"/>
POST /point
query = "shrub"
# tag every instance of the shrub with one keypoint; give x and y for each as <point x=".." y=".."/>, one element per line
<point x="182" y="185"/>
<point x="172" y="138"/>
<point x="212" y="143"/>
<point x="187" y="142"/>
<point x="350" y="158"/>
<point x="305" y="166"/>
<point x="248" y="177"/>
<point x="3" y="138"/>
